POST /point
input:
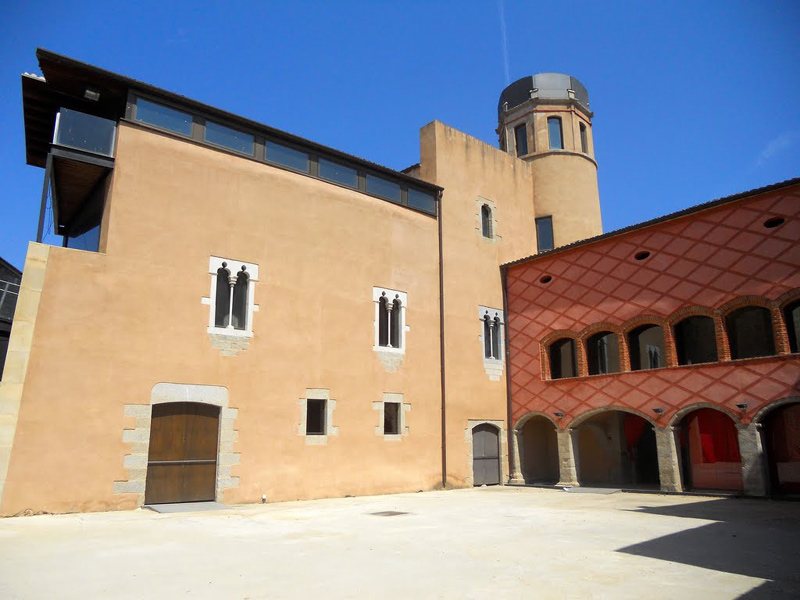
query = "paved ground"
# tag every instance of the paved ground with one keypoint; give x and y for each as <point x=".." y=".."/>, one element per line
<point x="481" y="543"/>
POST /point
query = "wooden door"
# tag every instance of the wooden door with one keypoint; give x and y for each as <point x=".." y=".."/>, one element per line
<point x="485" y="455"/>
<point x="182" y="461"/>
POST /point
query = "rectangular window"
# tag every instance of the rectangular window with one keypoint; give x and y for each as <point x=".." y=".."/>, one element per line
<point x="391" y="418"/>
<point x="229" y="138"/>
<point x="544" y="234"/>
<point x="383" y="188"/>
<point x="584" y="140"/>
<point x="554" y="129"/>
<point x="339" y="173"/>
<point x="315" y="417"/>
<point x="521" y="135"/>
<point x="421" y="201"/>
<point x="288" y="157"/>
<point x="163" y="116"/>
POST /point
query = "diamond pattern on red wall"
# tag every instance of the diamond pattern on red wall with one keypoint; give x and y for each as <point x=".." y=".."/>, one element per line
<point x="706" y="259"/>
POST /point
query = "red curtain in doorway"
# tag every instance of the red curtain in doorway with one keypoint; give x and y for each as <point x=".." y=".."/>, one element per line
<point x="634" y="428"/>
<point x="718" y="438"/>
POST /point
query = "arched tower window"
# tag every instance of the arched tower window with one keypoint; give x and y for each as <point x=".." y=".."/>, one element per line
<point x="554" y="131"/>
<point x="239" y="305"/>
<point x="646" y="344"/>
<point x="390" y="318"/>
<point x="602" y="352"/>
<point x="491" y="336"/>
<point x="563" y="359"/>
<point x="486" y="221"/>
<point x="750" y="332"/>
<point x="223" y="297"/>
<point x="696" y="341"/>
<point x="791" y="315"/>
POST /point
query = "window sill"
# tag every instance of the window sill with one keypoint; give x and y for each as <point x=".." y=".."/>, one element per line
<point x="389" y="350"/>
<point x="230" y="331"/>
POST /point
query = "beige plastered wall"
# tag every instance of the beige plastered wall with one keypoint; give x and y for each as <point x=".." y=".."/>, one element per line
<point x="471" y="170"/>
<point x="110" y="326"/>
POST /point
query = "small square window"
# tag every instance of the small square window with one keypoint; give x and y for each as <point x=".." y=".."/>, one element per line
<point x="391" y="418"/>
<point x="315" y="417"/>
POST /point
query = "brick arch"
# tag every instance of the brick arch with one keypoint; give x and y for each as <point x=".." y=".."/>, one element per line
<point x="553" y="336"/>
<point x="785" y="299"/>
<point x="743" y="302"/>
<point x="530" y="415"/>
<point x="585" y="416"/>
<point x="765" y="410"/>
<point x="690" y="311"/>
<point x="676" y="419"/>
<point x="635" y="322"/>
<point x="590" y="330"/>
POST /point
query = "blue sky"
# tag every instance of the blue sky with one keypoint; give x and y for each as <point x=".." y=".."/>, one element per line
<point x="692" y="101"/>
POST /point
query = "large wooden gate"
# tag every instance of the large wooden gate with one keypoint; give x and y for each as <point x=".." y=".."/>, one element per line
<point x="485" y="454"/>
<point x="182" y="461"/>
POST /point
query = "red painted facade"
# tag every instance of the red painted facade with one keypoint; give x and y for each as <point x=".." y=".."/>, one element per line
<point x="708" y="262"/>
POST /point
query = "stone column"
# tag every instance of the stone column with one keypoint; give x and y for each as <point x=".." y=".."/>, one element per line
<point x="514" y="458"/>
<point x="567" y="464"/>
<point x="669" y="472"/>
<point x="754" y="468"/>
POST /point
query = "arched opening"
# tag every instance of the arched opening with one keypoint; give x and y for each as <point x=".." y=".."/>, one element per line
<point x="709" y="447"/>
<point x="618" y="449"/>
<point x="222" y="300"/>
<point x="646" y="345"/>
<point x="486" y="221"/>
<point x="485" y="454"/>
<point x="750" y="332"/>
<point x="396" y="321"/>
<point x="563" y="360"/>
<point x="539" y="452"/>
<point x="182" y="454"/>
<point x="696" y="340"/>
<point x="791" y="314"/>
<point x="239" y="307"/>
<point x="602" y="353"/>
<point x="491" y="337"/>
<point x="781" y="429"/>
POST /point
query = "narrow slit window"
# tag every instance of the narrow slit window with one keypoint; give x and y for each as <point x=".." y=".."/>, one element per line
<point x="584" y="139"/>
<point x="486" y="221"/>
<point x="554" y="130"/>
<point x="395" y="320"/>
<point x="383" y="321"/>
<point x="521" y="136"/>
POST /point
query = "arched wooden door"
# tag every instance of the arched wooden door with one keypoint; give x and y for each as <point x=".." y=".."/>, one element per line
<point x="485" y="454"/>
<point x="182" y="460"/>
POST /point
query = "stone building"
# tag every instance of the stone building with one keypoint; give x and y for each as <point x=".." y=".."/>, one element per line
<point x="664" y="355"/>
<point x="243" y="315"/>
<point x="238" y="313"/>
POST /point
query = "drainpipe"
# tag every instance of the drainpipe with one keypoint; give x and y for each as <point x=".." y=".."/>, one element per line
<point x="507" y="349"/>
<point x="441" y="345"/>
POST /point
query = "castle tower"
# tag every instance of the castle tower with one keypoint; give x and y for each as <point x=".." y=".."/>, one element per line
<point x="545" y="119"/>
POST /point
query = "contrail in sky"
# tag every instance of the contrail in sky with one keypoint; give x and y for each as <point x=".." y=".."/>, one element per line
<point x="503" y="39"/>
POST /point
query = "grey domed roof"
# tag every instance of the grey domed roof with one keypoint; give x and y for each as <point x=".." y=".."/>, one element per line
<point x="552" y="86"/>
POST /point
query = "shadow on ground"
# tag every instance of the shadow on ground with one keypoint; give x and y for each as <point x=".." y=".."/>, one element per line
<point x="749" y="537"/>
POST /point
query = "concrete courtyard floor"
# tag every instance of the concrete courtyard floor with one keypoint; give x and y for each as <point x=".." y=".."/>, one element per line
<point x="479" y="543"/>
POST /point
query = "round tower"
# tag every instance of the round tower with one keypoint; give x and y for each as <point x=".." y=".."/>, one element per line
<point x="545" y="119"/>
